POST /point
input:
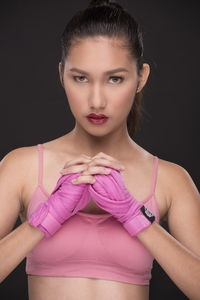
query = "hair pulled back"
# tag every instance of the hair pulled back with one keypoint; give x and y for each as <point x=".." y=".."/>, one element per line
<point x="110" y="19"/>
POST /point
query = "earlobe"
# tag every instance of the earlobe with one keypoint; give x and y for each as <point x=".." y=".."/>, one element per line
<point x="144" y="74"/>
<point x="138" y="87"/>
<point x="60" y="74"/>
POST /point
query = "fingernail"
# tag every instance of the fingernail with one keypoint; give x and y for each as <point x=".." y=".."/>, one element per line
<point x="73" y="181"/>
<point x="107" y="171"/>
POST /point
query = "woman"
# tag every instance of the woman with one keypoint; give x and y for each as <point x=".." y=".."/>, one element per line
<point x="83" y="248"/>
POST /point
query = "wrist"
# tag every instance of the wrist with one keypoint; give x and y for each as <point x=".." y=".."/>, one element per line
<point x="140" y="222"/>
<point x="44" y="220"/>
<point x="49" y="225"/>
<point x="34" y="228"/>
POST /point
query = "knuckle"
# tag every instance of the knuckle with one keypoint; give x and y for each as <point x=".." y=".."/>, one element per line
<point x="90" y="164"/>
<point x="65" y="165"/>
<point x="85" y="168"/>
<point x="101" y="153"/>
<point x="74" y="169"/>
<point x="67" y="170"/>
<point x="102" y="169"/>
<point x="85" y="173"/>
<point x="98" y="154"/>
<point x="88" y="170"/>
<point x="96" y="159"/>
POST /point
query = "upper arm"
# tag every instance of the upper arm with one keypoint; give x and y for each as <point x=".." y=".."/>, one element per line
<point x="184" y="208"/>
<point x="11" y="182"/>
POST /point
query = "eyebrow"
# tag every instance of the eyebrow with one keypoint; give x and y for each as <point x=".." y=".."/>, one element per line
<point x="107" y="72"/>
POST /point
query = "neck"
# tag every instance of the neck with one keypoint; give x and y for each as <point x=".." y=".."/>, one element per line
<point x="116" y="144"/>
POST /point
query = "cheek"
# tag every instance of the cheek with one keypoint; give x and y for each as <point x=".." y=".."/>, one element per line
<point x="123" y="100"/>
<point x="74" y="97"/>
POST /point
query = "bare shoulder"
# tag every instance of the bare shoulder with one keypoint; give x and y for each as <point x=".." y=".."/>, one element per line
<point x="175" y="176"/>
<point x="18" y="159"/>
<point x="13" y="170"/>
<point x="16" y="165"/>
<point x="18" y="153"/>
<point x="178" y="184"/>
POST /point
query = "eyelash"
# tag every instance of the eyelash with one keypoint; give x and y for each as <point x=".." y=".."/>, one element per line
<point x="119" y="77"/>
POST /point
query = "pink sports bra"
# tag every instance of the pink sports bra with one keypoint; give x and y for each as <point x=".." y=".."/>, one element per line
<point x="90" y="245"/>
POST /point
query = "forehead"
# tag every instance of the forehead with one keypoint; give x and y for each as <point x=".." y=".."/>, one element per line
<point x="99" y="49"/>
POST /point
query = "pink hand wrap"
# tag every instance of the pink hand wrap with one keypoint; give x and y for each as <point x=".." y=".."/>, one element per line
<point x="109" y="193"/>
<point x="64" y="202"/>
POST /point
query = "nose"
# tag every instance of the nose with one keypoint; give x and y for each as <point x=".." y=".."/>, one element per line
<point x="97" y="99"/>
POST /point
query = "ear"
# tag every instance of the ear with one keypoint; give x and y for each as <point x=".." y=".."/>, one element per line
<point x="144" y="74"/>
<point x="60" y="74"/>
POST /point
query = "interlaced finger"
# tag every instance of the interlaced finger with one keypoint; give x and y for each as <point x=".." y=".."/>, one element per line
<point x="96" y="170"/>
<point x="104" y="155"/>
<point x="79" y="160"/>
<point x="75" y="169"/>
<point x="84" y="179"/>
<point x="78" y="164"/>
<point x="106" y="163"/>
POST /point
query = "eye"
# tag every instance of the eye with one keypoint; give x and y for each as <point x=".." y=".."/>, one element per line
<point x="75" y="78"/>
<point x="117" y="77"/>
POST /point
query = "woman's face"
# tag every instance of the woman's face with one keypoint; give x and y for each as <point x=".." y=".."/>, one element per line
<point x="95" y="88"/>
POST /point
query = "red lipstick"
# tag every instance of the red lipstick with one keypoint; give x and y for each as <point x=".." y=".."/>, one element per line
<point x="97" y="119"/>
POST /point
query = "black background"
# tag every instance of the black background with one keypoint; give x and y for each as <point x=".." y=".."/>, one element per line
<point x="34" y="108"/>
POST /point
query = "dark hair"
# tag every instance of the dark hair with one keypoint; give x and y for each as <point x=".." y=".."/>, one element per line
<point x="107" y="18"/>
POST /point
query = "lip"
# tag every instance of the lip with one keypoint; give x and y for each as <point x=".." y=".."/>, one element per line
<point x="97" y="119"/>
<point x="96" y="116"/>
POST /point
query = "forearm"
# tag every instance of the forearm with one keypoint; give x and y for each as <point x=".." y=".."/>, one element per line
<point x="182" y="266"/>
<point x="16" y="245"/>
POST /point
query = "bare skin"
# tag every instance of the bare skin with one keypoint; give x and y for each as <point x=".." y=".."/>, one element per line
<point x="176" y="194"/>
<point x="138" y="171"/>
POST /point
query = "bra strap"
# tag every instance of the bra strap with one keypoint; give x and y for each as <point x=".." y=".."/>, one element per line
<point x="40" y="175"/>
<point x="155" y="171"/>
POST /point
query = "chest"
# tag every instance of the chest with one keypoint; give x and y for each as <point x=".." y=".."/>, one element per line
<point x="137" y="181"/>
<point x="87" y="246"/>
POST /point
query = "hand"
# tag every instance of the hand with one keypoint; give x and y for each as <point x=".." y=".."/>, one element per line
<point x="79" y="165"/>
<point x="65" y="200"/>
<point x="96" y="165"/>
<point x="109" y="193"/>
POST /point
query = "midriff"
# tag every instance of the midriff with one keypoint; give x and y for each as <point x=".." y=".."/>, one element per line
<point x="53" y="288"/>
